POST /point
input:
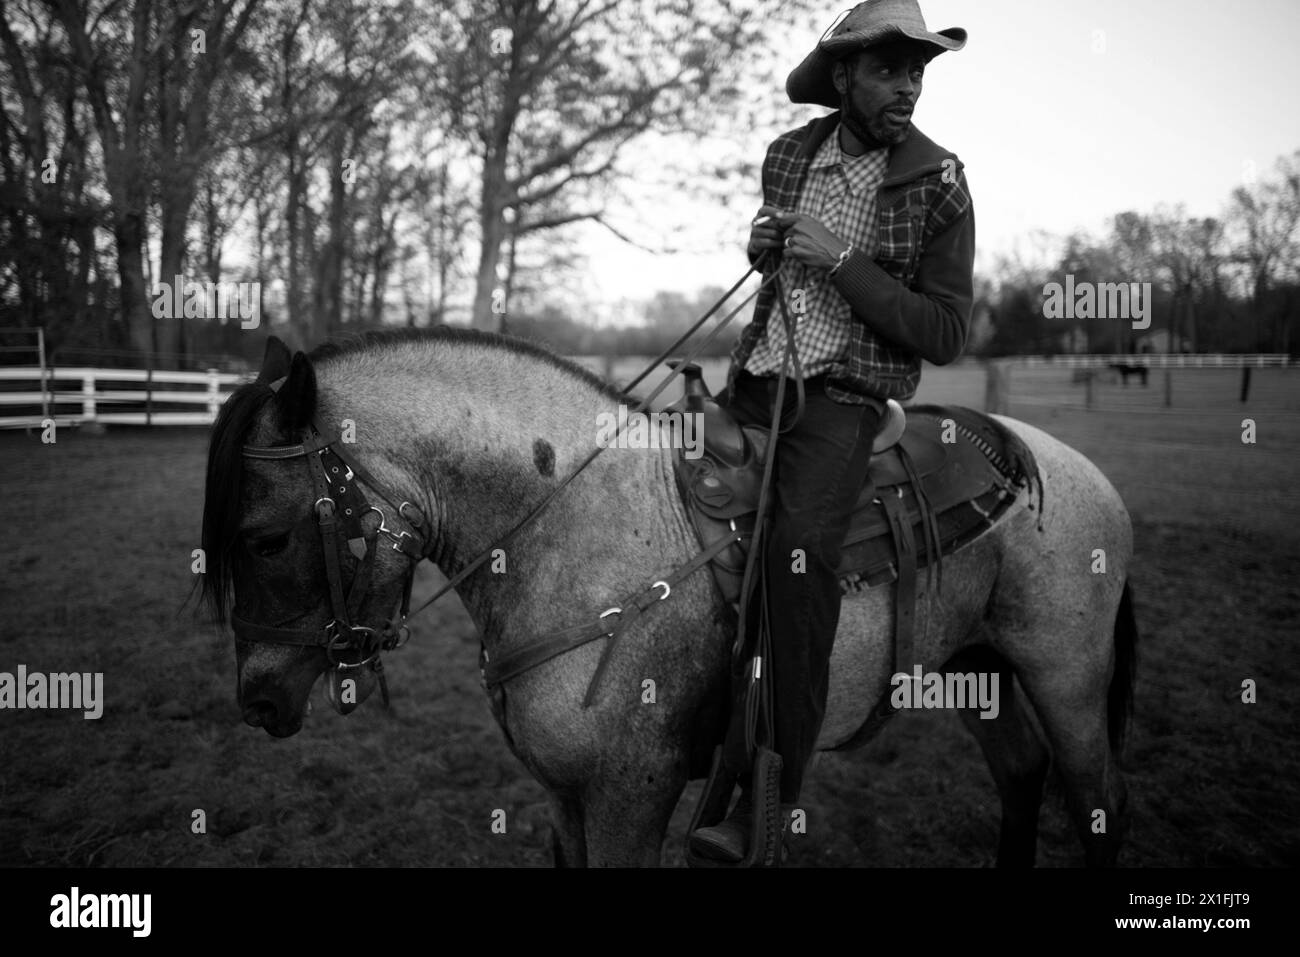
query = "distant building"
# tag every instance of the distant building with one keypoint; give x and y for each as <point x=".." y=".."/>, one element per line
<point x="1159" y="342"/>
<point x="1073" y="341"/>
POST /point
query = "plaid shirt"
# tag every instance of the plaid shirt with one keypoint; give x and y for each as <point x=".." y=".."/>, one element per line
<point x="910" y="291"/>
<point x="841" y="194"/>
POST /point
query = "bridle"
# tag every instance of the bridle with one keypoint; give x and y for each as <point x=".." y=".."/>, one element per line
<point x="340" y="504"/>
<point x="339" y="508"/>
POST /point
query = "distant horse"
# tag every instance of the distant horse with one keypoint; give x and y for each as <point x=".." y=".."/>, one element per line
<point x="472" y="429"/>
<point x="1126" y="369"/>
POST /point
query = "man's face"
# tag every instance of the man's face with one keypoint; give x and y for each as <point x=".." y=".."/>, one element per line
<point x="883" y="83"/>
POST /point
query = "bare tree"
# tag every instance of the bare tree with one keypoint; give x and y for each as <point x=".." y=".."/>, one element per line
<point x="1263" y="220"/>
<point x="556" y="91"/>
<point x="47" y="210"/>
<point x="150" y="42"/>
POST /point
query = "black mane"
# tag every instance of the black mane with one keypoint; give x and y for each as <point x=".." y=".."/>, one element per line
<point x="221" y="496"/>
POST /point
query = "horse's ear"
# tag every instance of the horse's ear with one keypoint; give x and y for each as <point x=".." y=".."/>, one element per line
<point x="275" y="361"/>
<point x="296" y="399"/>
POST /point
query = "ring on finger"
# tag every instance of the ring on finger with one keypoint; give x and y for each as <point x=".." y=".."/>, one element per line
<point x="789" y="241"/>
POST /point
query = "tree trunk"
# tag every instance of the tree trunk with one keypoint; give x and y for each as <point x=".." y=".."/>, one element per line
<point x="128" y="231"/>
<point x="293" y="256"/>
<point x="175" y="215"/>
<point x="1258" y="295"/>
<point x="492" y="230"/>
<point x="330" y="274"/>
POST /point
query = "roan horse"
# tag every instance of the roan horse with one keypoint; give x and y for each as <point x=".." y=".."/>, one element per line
<point x="473" y="428"/>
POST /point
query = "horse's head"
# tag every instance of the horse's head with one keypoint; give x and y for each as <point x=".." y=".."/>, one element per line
<point x="289" y="534"/>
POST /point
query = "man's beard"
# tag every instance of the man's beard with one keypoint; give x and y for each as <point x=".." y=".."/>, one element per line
<point x="874" y="133"/>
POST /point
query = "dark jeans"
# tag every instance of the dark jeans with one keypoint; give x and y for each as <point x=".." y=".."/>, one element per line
<point x="820" y="468"/>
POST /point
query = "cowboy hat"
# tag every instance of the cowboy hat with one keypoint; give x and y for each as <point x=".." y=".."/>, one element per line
<point x="870" y="22"/>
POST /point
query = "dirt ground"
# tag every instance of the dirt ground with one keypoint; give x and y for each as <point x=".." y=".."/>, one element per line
<point x="96" y="568"/>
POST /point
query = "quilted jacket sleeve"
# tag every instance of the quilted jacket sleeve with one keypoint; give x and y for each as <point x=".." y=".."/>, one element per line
<point x="932" y="318"/>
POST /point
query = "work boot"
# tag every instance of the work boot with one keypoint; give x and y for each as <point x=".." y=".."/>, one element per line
<point x="728" y="841"/>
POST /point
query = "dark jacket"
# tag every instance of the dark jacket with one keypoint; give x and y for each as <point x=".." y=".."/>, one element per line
<point x="911" y="294"/>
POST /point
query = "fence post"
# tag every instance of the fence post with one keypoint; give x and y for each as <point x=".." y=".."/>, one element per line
<point x="1245" y="382"/>
<point x="996" y="374"/>
<point x="213" y="394"/>
<point x="45" y="395"/>
<point x="88" y="396"/>
<point x="148" y="392"/>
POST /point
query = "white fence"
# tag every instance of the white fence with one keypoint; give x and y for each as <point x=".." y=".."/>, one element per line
<point x="74" y="396"/>
<point x="1213" y="360"/>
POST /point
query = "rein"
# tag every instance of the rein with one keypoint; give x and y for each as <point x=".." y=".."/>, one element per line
<point x="340" y="506"/>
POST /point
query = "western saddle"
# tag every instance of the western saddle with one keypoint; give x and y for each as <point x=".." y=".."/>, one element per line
<point x="939" y="477"/>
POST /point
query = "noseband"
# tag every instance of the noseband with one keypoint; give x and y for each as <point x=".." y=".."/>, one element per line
<point x="340" y="506"/>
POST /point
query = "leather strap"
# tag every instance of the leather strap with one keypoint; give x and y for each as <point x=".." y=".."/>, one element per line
<point x="246" y="630"/>
<point x="905" y="595"/>
<point x="752" y="720"/>
<point x="929" y="521"/>
<point x="791" y="355"/>
<point x="497" y="671"/>
<point x="311" y="444"/>
<point x="360" y="584"/>
<point x="325" y="519"/>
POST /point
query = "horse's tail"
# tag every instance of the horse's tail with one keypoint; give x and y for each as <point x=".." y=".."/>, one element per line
<point x="1119" y="699"/>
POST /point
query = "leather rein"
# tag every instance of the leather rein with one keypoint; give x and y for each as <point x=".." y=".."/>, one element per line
<point x="340" y="506"/>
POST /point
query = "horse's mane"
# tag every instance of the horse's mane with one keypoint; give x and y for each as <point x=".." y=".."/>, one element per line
<point x="222" y="494"/>
<point x="225" y="451"/>
<point x="460" y="335"/>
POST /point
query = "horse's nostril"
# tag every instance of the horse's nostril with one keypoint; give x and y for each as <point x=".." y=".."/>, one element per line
<point x="259" y="714"/>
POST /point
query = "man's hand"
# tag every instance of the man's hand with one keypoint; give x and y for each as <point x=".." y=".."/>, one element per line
<point x="808" y="241"/>
<point x="765" y="234"/>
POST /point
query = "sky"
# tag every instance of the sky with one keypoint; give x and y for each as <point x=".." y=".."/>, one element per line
<point x="1064" y="114"/>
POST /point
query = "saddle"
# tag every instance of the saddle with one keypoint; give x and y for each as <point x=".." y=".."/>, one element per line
<point x="940" y="476"/>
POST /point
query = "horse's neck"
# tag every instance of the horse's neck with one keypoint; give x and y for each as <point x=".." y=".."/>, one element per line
<point x="484" y="449"/>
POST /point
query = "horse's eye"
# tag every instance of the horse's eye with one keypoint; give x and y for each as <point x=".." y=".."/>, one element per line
<point x="269" y="545"/>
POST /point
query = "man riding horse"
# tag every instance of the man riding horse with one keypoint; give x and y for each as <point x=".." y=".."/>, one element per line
<point x="872" y="227"/>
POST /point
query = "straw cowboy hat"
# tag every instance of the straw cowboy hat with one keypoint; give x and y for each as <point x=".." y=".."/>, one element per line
<point x="871" y="22"/>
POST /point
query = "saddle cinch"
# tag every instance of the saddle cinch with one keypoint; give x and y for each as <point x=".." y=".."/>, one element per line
<point x="938" y="478"/>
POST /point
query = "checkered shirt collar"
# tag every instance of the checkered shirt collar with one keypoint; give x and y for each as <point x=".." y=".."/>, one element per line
<point x="862" y="173"/>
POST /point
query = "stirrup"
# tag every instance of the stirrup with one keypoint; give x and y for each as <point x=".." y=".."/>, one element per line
<point x="766" y="825"/>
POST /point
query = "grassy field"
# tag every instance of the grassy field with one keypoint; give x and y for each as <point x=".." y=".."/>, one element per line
<point x="97" y="567"/>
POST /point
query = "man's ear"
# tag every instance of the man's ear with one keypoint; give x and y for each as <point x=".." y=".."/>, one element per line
<point x="840" y="76"/>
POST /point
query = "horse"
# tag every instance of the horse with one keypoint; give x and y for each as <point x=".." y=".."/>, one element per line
<point x="1126" y="369"/>
<point x="471" y="429"/>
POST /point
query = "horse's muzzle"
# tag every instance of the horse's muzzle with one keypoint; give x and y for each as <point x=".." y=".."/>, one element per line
<point x="270" y="709"/>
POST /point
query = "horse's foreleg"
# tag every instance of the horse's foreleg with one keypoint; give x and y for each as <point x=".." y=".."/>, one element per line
<point x="568" y="840"/>
<point x="625" y="819"/>
<point x="1016" y="756"/>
